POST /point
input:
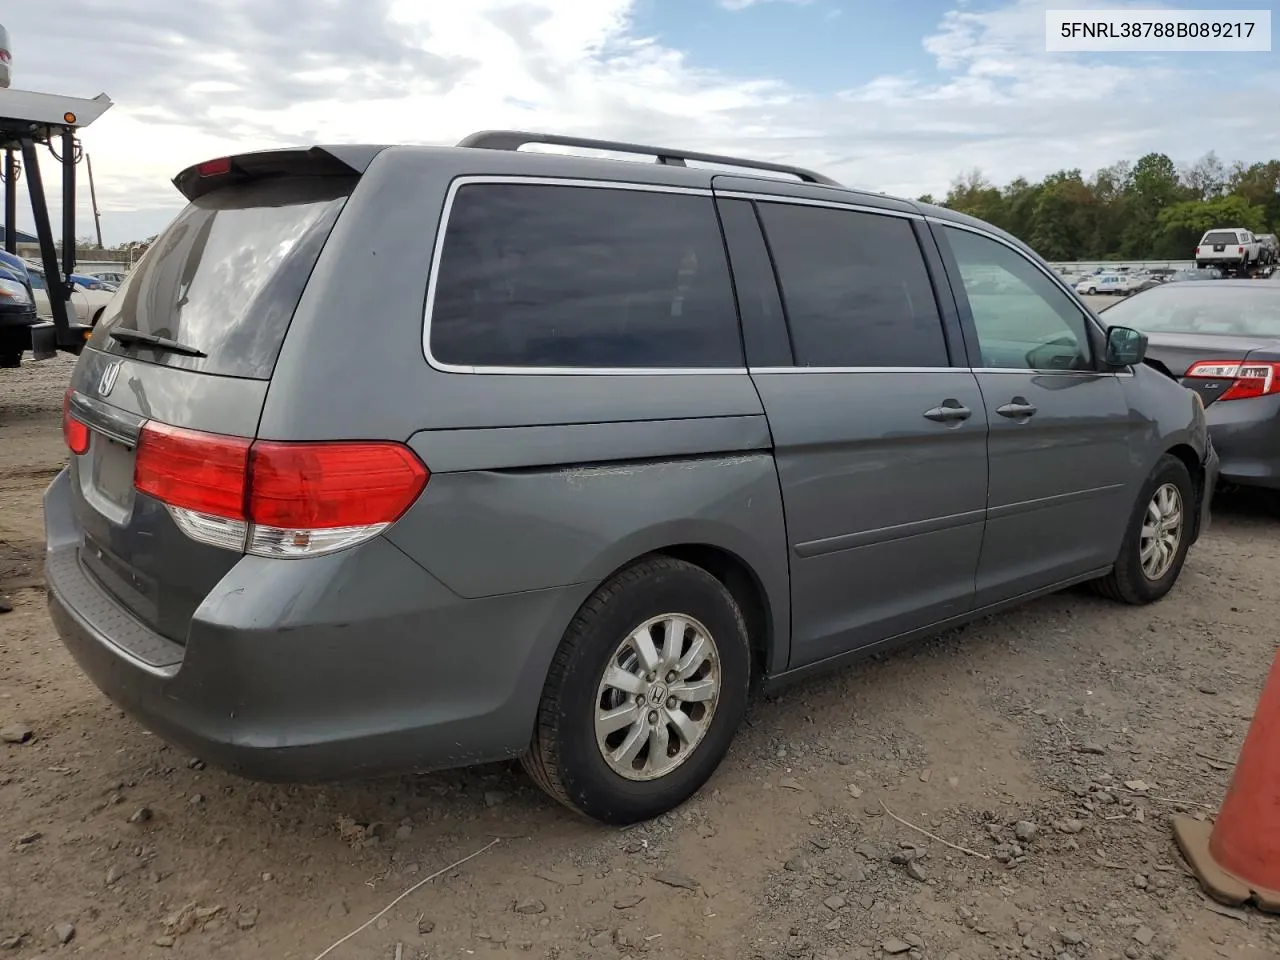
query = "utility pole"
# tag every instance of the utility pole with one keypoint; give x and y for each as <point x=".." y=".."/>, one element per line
<point x="93" y="199"/>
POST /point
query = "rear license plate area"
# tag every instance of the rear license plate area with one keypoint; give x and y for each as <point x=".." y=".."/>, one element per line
<point x="112" y="471"/>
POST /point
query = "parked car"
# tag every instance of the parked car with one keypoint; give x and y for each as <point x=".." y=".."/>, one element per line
<point x="1233" y="248"/>
<point x="1110" y="283"/>
<point x="1208" y="273"/>
<point x="630" y="459"/>
<point x="107" y="276"/>
<point x="17" y="309"/>
<point x="1269" y="249"/>
<point x="88" y="304"/>
<point x="1222" y="340"/>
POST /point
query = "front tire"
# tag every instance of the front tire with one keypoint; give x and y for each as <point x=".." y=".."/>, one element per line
<point x="1157" y="538"/>
<point x="664" y="632"/>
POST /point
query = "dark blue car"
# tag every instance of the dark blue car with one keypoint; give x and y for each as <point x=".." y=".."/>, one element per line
<point x="17" y="309"/>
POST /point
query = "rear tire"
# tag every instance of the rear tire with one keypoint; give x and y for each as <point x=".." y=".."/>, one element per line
<point x="1154" y="551"/>
<point x="580" y="750"/>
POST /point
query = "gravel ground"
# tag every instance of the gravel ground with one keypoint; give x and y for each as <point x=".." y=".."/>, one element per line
<point x="1052" y="742"/>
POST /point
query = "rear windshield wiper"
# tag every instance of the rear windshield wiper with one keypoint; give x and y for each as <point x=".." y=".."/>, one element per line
<point x="155" y="342"/>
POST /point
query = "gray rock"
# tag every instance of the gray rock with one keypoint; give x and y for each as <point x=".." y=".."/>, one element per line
<point x="531" y="907"/>
<point x="1025" y="927"/>
<point x="834" y="903"/>
<point x="672" y="879"/>
<point x="1068" y="826"/>
<point x="1095" y="749"/>
<point x="64" y="932"/>
<point x="247" y="919"/>
<point x="994" y="830"/>
<point x="163" y="941"/>
<point x="1071" y="937"/>
<point x="915" y="941"/>
<point x="114" y="873"/>
<point x="628" y="902"/>
<point x="1144" y="935"/>
<point x="141" y="815"/>
<point x="796" y="865"/>
<point x="916" y="872"/>
<point x="822" y="843"/>
<point x="893" y="946"/>
<point x="1140" y="882"/>
<point x="1132" y="952"/>
<point x="30" y="837"/>
<point x="426" y="926"/>
<point x="16" y="733"/>
<point x="1025" y="831"/>
<point x="404" y="831"/>
<point x="13" y="942"/>
<point x="868" y="850"/>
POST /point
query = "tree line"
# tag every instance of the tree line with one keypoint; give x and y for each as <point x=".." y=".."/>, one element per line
<point x="1148" y="210"/>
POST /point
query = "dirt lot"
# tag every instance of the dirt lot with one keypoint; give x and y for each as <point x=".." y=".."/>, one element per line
<point x="1015" y="737"/>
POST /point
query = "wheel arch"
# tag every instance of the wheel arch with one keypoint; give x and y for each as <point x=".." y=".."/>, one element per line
<point x="767" y="614"/>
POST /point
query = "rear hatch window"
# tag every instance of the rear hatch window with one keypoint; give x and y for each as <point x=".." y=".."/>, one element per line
<point x="225" y="277"/>
<point x="1220" y="237"/>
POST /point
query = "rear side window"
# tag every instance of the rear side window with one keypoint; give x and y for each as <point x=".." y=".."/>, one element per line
<point x="855" y="288"/>
<point x="543" y="275"/>
<point x="226" y="275"/>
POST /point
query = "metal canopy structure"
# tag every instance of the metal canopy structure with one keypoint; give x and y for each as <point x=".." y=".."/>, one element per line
<point x="29" y="120"/>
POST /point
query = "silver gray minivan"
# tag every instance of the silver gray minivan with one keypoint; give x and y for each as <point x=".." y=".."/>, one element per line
<point x="389" y="459"/>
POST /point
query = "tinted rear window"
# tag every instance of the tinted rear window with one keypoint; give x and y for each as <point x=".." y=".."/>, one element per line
<point x="227" y="274"/>
<point x="542" y="275"/>
<point x="855" y="288"/>
<point x="1221" y="236"/>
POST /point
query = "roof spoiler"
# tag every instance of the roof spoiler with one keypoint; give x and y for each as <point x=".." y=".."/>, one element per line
<point x="329" y="161"/>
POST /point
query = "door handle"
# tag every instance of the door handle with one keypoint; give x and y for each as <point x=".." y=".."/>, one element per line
<point x="949" y="411"/>
<point x="1017" y="408"/>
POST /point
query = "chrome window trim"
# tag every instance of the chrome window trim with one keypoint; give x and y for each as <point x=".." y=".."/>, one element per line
<point x="433" y="278"/>
<point x="1022" y="371"/>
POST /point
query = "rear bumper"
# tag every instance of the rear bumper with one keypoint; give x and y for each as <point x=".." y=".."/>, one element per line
<point x="1246" y="436"/>
<point x="358" y="664"/>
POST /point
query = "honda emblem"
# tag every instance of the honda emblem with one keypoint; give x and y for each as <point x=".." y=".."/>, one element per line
<point x="108" y="378"/>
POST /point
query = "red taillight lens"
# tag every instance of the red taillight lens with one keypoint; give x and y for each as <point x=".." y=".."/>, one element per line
<point x="305" y="486"/>
<point x="1239" y="249"/>
<point x="214" y="168"/>
<point x="75" y="433"/>
<point x="1249" y="379"/>
<point x="277" y="499"/>
<point x="203" y="472"/>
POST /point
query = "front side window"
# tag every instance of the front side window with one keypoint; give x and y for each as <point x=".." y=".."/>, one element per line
<point x="546" y="275"/>
<point x="1023" y="319"/>
<point x="855" y="288"/>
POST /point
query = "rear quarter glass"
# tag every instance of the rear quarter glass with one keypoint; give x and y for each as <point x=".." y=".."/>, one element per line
<point x="226" y="275"/>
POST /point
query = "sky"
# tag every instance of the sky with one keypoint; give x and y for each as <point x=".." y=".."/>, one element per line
<point x="899" y="96"/>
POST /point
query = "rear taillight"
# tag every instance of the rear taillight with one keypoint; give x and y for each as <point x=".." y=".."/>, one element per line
<point x="1249" y="379"/>
<point x="75" y="433"/>
<point x="277" y="499"/>
<point x="1239" y="249"/>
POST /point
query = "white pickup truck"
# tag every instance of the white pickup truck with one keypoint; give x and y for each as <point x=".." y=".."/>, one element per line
<point x="1227" y="247"/>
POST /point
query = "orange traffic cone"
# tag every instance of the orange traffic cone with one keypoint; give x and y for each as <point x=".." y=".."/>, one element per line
<point x="1238" y="858"/>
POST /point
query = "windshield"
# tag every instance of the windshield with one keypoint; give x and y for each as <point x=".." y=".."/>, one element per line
<point x="1246" y="310"/>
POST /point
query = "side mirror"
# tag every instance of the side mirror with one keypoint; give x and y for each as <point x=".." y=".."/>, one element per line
<point x="1125" y="347"/>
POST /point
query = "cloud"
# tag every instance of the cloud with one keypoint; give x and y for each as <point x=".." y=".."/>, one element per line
<point x="201" y="78"/>
<point x="736" y="5"/>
